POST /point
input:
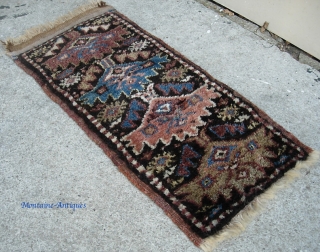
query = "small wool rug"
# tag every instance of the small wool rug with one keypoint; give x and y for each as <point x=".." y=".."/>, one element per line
<point x="202" y="152"/>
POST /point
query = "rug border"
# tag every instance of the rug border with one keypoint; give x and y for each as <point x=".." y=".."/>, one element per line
<point x="241" y="220"/>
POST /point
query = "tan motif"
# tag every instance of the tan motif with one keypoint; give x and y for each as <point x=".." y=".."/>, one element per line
<point x="90" y="76"/>
<point x="160" y="162"/>
<point x="228" y="166"/>
<point x="174" y="74"/>
<point x="111" y="112"/>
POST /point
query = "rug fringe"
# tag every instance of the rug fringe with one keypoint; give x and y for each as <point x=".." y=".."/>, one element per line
<point x="29" y="34"/>
<point x="244" y="217"/>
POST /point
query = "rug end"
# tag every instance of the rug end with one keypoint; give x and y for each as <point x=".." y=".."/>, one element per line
<point x="239" y="223"/>
<point x="14" y="44"/>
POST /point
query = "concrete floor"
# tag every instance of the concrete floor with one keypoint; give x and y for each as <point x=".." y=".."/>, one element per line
<point x="46" y="157"/>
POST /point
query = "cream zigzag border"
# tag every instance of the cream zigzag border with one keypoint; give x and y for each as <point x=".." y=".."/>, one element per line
<point x="238" y="224"/>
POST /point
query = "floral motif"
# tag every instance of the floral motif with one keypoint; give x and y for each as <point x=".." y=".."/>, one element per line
<point x="174" y="74"/>
<point x="111" y="112"/>
<point x="138" y="45"/>
<point x="161" y="162"/>
<point x="228" y="112"/>
<point x="71" y="80"/>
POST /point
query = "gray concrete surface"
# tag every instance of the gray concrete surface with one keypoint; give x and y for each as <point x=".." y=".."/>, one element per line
<point x="46" y="157"/>
<point x="271" y="38"/>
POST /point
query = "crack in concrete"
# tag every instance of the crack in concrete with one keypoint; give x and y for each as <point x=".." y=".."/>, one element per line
<point x="20" y="15"/>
